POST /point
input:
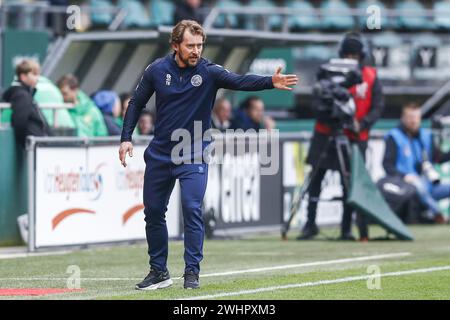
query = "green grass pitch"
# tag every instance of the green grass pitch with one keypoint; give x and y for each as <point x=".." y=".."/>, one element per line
<point x="111" y="273"/>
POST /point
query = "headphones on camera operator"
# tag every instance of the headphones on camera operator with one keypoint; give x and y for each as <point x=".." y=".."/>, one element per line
<point x="353" y="43"/>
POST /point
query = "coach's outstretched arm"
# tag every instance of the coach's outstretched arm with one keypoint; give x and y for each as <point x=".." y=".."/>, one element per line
<point x="142" y="94"/>
<point x="229" y="80"/>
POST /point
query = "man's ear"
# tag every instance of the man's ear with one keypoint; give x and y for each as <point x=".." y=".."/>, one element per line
<point x="175" y="47"/>
<point x="21" y="77"/>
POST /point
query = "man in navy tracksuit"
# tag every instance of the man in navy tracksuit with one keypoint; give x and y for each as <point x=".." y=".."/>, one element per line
<point x="186" y="87"/>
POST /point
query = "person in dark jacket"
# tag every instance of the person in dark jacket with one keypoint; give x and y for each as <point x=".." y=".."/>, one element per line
<point x="369" y="101"/>
<point x="408" y="146"/>
<point x="109" y="104"/>
<point x="188" y="10"/>
<point x="146" y="123"/>
<point x="27" y="119"/>
<point x="250" y="115"/>
<point x="221" y="115"/>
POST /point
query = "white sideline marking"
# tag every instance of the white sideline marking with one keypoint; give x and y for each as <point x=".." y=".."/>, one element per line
<point x="282" y="267"/>
<point x="30" y="255"/>
<point x="316" y="283"/>
<point x="309" y="264"/>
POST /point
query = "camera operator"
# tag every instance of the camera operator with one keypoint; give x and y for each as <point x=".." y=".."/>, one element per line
<point x="409" y="154"/>
<point x="369" y="103"/>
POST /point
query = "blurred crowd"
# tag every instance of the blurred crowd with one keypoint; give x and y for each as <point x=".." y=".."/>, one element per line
<point x="102" y="113"/>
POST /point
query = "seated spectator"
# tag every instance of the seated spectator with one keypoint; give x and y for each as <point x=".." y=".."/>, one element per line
<point x="27" y="119"/>
<point x="61" y="121"/>
<point x="124" y="100"/>
<point x="188" y="10"/>
<point x="109" y="104"/>
<point x="409" y="151"/>
<point x="86" y="115"/>
<point x="47" y="92"/>
<point x="221" y="115"/>
<point x="269" y="123"/>
<point x="145" y="123"/>
<point x="250" y="115"/>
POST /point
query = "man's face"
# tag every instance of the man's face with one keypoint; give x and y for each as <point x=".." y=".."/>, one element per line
<point x="194" y="3"/>
<point x="30" y="79"/>
<point x="189" y="50"/>
<point x="411" y="119"/>
<point x="223" y="111"/>
<point x="68" y="94"/>
<point x="145" y="124"/>
<point x="256" y="110"/>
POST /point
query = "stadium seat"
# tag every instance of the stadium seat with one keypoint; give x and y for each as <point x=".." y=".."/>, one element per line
<point x="274" y="21"/>
<point x="228" y="20"/>
<point x="385" y="21"/>
<point x="307" y="20"/>
<point x="428" y="40"/>
<point x="331" y="20"/>
<point x="137" y="16"/>
<point x="101" y="18"/>
<point x="162" y="12"/>
<point x="442" y="14"/>
<point x="411" y="22"/>
<point x="318" y="52"/>
<point x="386" y="39"/>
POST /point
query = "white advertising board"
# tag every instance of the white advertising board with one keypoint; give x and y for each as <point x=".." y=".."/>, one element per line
<point x="84" y="195"/>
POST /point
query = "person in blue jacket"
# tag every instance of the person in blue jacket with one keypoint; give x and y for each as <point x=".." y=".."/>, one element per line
<point x="185" y="85"/>
<point x="408" y="147"/>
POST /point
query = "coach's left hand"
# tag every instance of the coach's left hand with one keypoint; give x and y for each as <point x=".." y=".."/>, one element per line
<point x="125" y="147"/>
<point x="283" y="81"/>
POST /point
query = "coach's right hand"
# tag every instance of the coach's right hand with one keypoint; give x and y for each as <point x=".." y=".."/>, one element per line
<point x="125" y="147"/>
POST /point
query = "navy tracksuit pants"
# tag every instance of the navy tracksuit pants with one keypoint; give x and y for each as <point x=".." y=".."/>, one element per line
<point x="159" y="180"/>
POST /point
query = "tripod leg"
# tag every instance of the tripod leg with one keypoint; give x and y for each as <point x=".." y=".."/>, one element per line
<point x="344" y="154"/>
<point x="299" y="193"/>
<point x="302" y="190"/>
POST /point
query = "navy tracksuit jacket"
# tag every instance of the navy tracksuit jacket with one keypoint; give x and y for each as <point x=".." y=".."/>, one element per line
<point x="183" y="95"/>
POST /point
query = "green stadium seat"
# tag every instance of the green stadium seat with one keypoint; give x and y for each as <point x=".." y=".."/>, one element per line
<point x="227" y="20"/>
<point x="332" y="20"/>
<point x="318" y="52"/>
<point x="307" y="20"/>
<point x="274" y="21"/>
<point x="412" y="22"/>
<point x="138" y="16"/>
<point x="385" y="21"/>
<point x="442" y="14"/>
<point x="101" y="18"/>
<point x="386" y="39"/>
<point x="162" y="12"/>
<point x="427" y="40"/>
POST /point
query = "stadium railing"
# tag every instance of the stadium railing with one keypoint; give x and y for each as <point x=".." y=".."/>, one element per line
<point x="54" y="106"/>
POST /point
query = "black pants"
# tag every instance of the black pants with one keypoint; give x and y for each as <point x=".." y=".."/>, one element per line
<point x="314" y="193"/>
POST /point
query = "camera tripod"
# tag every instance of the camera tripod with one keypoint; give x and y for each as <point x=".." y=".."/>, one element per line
<point x="343" y="150"/>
